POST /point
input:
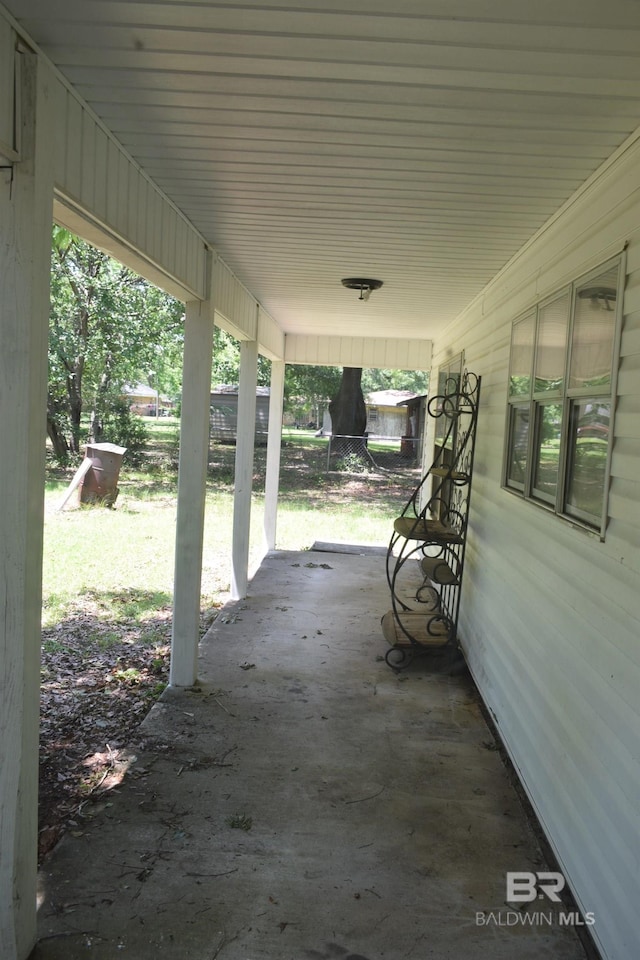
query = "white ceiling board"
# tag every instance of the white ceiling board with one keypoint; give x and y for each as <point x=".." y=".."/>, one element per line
<point x="396" y="139"/>
<point x="490" y="23"/>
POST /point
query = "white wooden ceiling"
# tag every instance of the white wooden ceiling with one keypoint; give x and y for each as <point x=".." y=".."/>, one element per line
<point x="421" y="142"/>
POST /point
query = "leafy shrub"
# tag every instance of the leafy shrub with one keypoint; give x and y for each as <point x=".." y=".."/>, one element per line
<point x="353" y="463"/>
<point x="121" y="426"/>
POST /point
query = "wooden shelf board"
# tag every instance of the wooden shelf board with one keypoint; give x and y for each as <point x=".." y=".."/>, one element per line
<point x="427" y="630"/>
<point x="449" y="474"/>
<point x="428" y="530"/>
<point x="438" y="571"/>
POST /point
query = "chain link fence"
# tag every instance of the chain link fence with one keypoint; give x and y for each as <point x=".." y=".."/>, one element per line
<point x="369" y="454"/>
<point x="355" y="455"/>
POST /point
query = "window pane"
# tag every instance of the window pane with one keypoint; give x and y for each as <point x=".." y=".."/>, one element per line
<point x="593" y="331"/>
<point x="547" y="452"/>
<point x="521" y="356"/>
<point x="518" y="445"/>
<point x="551" y="345"/>
<point x="588" y="447"/>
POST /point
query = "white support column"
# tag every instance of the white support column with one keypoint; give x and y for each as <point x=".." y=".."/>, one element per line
<point x="26" y="207"/>
<point x="244" y="468"/>
<point x="274" y="444"/>
<point x="192" y="479"/>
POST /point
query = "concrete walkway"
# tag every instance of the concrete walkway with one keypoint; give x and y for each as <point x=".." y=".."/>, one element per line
<point x="305" y="803"/>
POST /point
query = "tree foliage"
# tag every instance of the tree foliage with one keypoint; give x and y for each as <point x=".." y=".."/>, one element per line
<point x="308" y="388"/>
<point x="415" y="380"/>
<point x="108" y="327"/>
<point x="226" y="361"/>
<point x="314" y="385"/>
<point x="348" y="409"/>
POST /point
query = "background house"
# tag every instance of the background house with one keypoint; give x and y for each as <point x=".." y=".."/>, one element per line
<point x="143" y="399"/>
<point x="385" y="418"/>
<point x="415" y="408"/>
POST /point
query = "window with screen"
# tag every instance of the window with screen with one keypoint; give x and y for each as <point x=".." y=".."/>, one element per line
<point x="562" y="365"/>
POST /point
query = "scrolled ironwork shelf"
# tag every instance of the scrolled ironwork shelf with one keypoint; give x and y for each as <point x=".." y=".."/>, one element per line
<point x="425" y="558"/>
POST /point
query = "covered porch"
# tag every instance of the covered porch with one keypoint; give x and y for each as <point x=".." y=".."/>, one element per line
<point x="304" y="801"/>
<point x="482" y="164"/>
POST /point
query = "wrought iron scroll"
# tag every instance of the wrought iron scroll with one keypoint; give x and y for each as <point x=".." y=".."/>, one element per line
<point x="432" y="529"/>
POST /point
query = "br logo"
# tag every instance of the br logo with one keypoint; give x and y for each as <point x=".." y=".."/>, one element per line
<point x="523" y="887"/>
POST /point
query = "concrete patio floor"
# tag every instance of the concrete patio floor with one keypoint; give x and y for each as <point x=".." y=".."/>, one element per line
<point x="304" y="803"/>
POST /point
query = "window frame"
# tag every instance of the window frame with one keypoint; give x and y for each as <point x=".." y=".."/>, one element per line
<point x="537" y="493"/>
<point x="570" y="398"/>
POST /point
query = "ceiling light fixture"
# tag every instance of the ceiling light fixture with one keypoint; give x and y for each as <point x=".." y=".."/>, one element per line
<point x="364" y="285"/>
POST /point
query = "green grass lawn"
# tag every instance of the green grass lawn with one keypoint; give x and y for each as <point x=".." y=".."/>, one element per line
<point x="108" y="584"/>
<point x="117" y="564"/>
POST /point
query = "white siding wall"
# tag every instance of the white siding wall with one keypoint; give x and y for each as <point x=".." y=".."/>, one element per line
<point x="102" y="194"/>
<point x="359" y="352"/>
<point x="270" y="336"/>
<point x="550" y="615"/>
<point x="8" y="144"/>
<point x="236" y="308"/>
<point x="239" y="313"/>
<point x="387" y="422"/>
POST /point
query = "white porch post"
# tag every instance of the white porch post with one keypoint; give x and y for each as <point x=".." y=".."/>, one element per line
<point x="244" y="468"/>
<point x="26" y="205"/>
<point x="274" y="444"/>
<point x="192" y="477"/>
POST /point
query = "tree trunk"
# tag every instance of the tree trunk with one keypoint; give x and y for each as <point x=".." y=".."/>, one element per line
<point x="58" y="440"/>
<point x="75" y="412"/>
<point x="96" y="427"/>
<point x="347" y="409"/>
<point x="349" y="415"/>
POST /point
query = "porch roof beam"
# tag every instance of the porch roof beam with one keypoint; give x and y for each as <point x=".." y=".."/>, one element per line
<point x="386" y="353"/>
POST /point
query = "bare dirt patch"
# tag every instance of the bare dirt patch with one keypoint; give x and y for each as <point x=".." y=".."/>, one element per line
<point x="98" y="682"/>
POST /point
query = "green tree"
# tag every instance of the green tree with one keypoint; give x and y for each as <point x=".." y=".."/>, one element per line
<point x="308" y="388"/>
<point x="415" y="380"/>
<point x="226" y="361"/>
<point x="108" y="327"/>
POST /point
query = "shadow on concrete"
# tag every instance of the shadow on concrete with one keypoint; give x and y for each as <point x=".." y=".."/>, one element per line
<point x="304" y="802"/>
